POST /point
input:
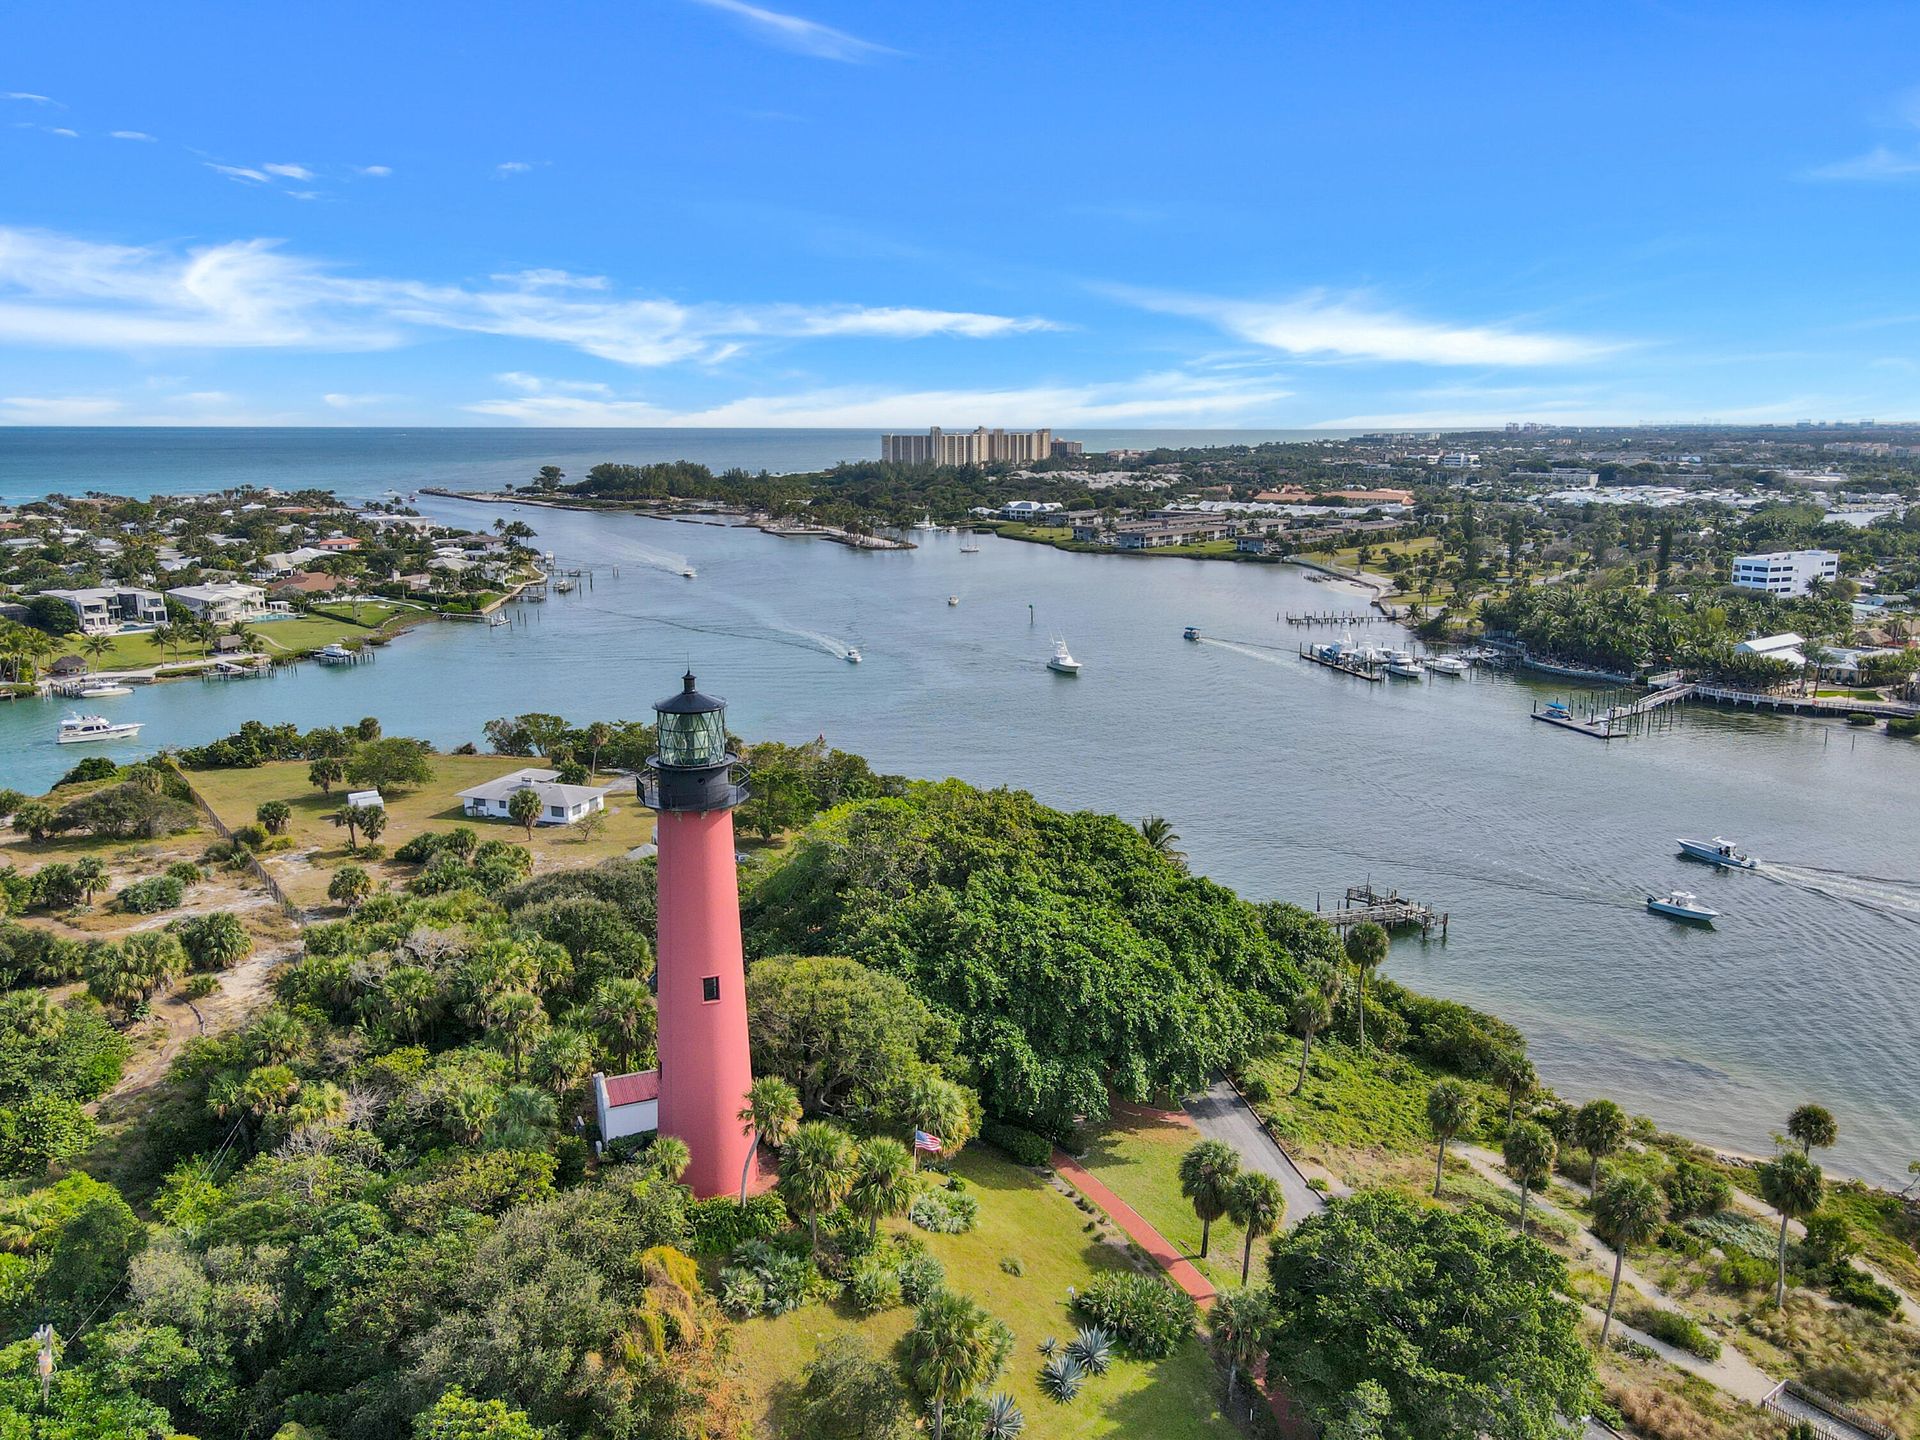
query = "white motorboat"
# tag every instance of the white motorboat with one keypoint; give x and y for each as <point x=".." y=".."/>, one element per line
<point x="564" y="587"/>
<point x="1192" y="632"/>
<point x="334" y="654"/>
<point x="103" y="692"/>
<point x="1682" y="905"/>
<point x="687" y="573"/>
<point x="1447" y="665"/>
<point x="853" y="654"/>
<point x="76" y="729"/>
<point x="1063" y="662"/>
<point x="1403" y="664"/>
<point x="1717" y="851"/>
<point x="953" y="599"/>
<point x="925" y="522"/>
<point x="969" y="549"/>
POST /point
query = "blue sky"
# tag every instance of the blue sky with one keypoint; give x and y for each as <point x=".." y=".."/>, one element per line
<point x="706" y="212"/>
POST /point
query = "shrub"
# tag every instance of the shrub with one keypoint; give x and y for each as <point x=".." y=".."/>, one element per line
<point x="1743" y="1272"/>
<point x="1830" y="1240"/>
<point x="741" y="1293"/>
<point x="944" y="1212"/>
<point x="1013" y="1265"/>
<point x="1091" y="1349"/>
<point x="1857" y="1288"/>
<point x="147" y="897"/>
<point x="782" y="1280"/>
<point x="1906" y="727"/>
<point x="874" y="1285"/>
<point x="443" y="873"/>
<point x="1149" y="1317"/>
<point x="94" y="767"/>
<point x="274" y="816"/>
<point x="720" y="1226"/>
<point x="11" y="800"/>
<point x="251" y="836"/>
<point x="1019" y="1144"/>
<point x="1678" y="1330"/>
<point x="1734" y="1235"/>
<point x="421" y="848"/>
<point x="123" y="812"/>
<point x="1061" y="1379"/>
<point x="1694" y="1190"/>
<point x="186" y="872"/>
<point x="215" y="941"/>
<point x="1255" y="1089"/>
<point x="920" y="1275"/>
<point x="1862" y="719"/>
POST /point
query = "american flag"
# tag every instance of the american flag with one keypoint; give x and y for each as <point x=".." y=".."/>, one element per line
<point x="924" y="1141"/>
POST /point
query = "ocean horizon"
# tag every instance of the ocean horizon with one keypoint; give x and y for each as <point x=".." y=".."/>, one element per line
<point x="363" y="461"/>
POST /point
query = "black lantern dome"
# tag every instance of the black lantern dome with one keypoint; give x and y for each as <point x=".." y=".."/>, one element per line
<point x="692" y="768"/>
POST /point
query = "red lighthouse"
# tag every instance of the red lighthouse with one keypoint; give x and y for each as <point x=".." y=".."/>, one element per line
<point x="701" y="976"/>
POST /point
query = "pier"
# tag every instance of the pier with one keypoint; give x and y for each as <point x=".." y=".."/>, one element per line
<point x="1391" y="911"/>
<point x="1341" y="617"/>
<point x="1345" y="667"/>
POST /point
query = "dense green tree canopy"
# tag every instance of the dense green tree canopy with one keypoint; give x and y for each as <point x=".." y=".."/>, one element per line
<point x="1463" y="1325"/>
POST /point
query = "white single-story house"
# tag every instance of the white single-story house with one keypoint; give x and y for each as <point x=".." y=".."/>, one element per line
<point x="1775" y="647"/>
<point x="559" y="804"/>
<point x="368" y="798"/>
<point x="221" y="604"/>
<point x="626" y="1104"/>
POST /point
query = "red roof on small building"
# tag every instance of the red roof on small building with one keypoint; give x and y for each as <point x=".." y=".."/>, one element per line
<point x="633" y="1089"/>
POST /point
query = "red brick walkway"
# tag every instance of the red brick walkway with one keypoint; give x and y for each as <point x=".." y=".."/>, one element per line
<point x="1138" y="1230"/>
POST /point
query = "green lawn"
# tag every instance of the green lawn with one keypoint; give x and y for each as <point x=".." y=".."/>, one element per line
<point x="1023" y="1217"/>
<point x="320" y="847"/>
<point x="1137" y="1156"/>
<point x="307" y="632"/>
<point x="1349" y="557"/>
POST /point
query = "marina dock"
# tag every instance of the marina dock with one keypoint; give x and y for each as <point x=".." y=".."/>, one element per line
<point x="1391" y="911"/>
<point x="1342" y="617"/>
<point x="1345" y="667"/>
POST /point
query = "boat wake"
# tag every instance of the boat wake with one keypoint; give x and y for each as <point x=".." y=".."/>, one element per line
<point x="1899" y="899"/>
<point x="1270" y="654"/>
<point x="667" y="560"/>
<point x="814" y="639"/>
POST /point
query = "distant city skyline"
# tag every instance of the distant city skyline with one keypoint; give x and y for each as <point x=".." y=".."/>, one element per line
<point x="709" y="213"/>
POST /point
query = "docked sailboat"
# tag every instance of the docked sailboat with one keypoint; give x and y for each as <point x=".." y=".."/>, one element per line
<point x="77" y="729"/>
<point x="1682" y="905"/>
<point x="1063" y="662"/>
<point x="1717" y="851"/>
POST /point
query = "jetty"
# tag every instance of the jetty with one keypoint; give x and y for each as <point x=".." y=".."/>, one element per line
<point x="1341" y="617"/>
<point x="1357" y="669"/>
<point x="1391" y="911"/>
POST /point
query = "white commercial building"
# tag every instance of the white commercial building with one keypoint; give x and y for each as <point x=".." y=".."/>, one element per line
<point x="1785" y="572"/>
<point x="967" y="447"/>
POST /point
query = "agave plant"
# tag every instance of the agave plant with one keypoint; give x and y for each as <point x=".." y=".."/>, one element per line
<point x="1049" y="1345"/>
<point x="1091" y="1349"/>
<point x="1003" y="1419"/>
<point x="1061" y="1378"/>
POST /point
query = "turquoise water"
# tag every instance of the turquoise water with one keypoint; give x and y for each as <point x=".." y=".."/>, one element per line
<point x="1283" y="779"/>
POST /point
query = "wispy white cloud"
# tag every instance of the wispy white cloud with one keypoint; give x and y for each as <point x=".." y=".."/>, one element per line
<point x="245" y="174"/>
<point x="1167" y="398"/>
<point x="1352" y="327"/>
<point x="131" y="135"/>
<point x="288" y="171"/>
<point x="57" y="409"/>
<point x="798" y="34"/>
<point x="59" y="291"/>
<point x="512" y="167"/>
<point x="338" y="400"/>
<point x="28" y="97"/>
<point x="373" y="172"/>
<point x="1881" y="163"/>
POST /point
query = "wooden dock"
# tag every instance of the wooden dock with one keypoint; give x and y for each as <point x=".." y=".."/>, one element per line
<point x="1391" y="911"/>
<point x="1353" y="668"/>
<point x="1343" y="617"/>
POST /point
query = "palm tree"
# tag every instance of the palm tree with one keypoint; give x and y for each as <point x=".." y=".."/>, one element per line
<point x="1241" y="1321"/>
<point x="1813" y="1125"/>
<point x="953" y="1349"/>
<point x="1515" y="1074"/>
<point x="816" y="1170"/>
<point x="90" y="873"/>
<point x="882" y="1182"/>
<point x="1257" y="1204"/>
<point x="621" y="1014"/>
<point x="1600" y="1127"/>
<point x="96" y="646"/>
<point x="1794" y="1186"/>
<point x="1159" y="834"/>
<point x="1309" y="1014"/>
<point x="598" y="734"/>
<point x="1367" y="950"/>
<point x="1207" y="1173"/>
<point x="1450" y="1109"/>
<point x="517" y="1019"/>
<point x="669" y="1156"/>
<point x="1627" y="1213"/>
<point x="1529" y="1152"/>
<point x="771" y="1112"/>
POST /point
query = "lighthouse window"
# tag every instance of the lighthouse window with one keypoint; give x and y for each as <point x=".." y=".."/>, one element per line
<point x="710" y="989"/>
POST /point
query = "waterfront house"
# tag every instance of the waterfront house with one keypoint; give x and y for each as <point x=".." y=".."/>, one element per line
<point x="221" y="603"/>
<point x="1785" y="572"/>
<point x="107" y="608"/>
<point x="1029" y="510"/>
<point x="1156" y="534"/>
<point x="1784" y="648"/>
<point x="307" y="582"/>
<point x="559" y="804"/>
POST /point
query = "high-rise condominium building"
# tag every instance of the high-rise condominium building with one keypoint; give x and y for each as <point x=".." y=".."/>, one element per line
<point x="967" y="447"/>
<point x="1785" y="572"/>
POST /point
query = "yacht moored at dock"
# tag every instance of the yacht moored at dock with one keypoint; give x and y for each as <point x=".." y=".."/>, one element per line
<point x="334" y="654"/>
<point x="105" y="691"/>
<point x="1717" y="851"/>
<point x="1450" y="665"/>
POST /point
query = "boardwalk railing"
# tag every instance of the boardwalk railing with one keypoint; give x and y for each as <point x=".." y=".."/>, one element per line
<point x="1888" y="709"/>
<point x="1832" y="1419"/>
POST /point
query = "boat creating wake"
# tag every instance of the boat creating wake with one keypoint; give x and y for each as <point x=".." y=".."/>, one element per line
<point x="1269" y="654"/>
<point x="1882" y="895"/>
<point x="667" y="560"/>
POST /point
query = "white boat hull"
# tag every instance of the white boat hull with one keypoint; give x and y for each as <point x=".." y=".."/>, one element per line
<point x="1722" y="855"/>
<point x="1699" y="914"/>
<point x="1405" y="672"/>
<point x="112" y="732"/>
